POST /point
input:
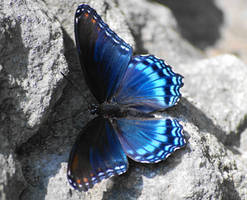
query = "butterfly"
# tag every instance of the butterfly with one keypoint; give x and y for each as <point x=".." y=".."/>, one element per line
<point x="129" y="89"/>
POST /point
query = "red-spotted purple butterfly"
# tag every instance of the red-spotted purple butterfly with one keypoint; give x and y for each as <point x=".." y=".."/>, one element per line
<point x="128" y="89"/>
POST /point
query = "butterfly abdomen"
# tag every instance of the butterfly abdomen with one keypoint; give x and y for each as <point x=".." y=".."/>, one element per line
<point x="109" y="110"/>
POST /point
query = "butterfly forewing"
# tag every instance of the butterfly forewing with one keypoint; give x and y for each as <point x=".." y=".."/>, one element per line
<point x="104" y="56"/>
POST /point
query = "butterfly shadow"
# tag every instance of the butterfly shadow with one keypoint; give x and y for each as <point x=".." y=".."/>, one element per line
<point x="200" y="119"/>
<point x="131" y="184"/>
<point x="192" y="14"/>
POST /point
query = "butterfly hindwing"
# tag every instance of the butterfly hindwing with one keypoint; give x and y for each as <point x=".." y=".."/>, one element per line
<point x="150" y="140"/>
<point x="149" y="85"/>
<point x="104" y="56"/>
<point x="96" y="155"/>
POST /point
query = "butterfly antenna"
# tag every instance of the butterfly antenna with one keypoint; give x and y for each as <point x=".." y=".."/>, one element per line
<point x="61" y="120"/>
<point x="77" y="88"/>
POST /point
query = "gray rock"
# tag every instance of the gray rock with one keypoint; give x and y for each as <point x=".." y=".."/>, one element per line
<point x="218" y="88"/>
<point x="215" y="26"/>
<point x="229" y="166"/>
<point x="156" y="32"/>
<point x="243" y="145"/>
<point x="12" y="182"/>
<point x="31" y="59"/>
<point x="233" y="31"/>
<point x="199" y="22"/>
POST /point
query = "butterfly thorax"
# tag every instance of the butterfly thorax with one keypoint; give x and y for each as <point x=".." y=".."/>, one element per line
<point x="106" y="110"/>
<point x="112" y="110"/>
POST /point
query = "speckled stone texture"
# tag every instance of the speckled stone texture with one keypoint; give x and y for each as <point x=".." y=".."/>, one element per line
<point x="40" y="116"/>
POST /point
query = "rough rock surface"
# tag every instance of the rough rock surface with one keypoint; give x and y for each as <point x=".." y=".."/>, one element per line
<point x="38" y="43"/>
<point x="233" y="32"/>
<point x="199" y="21"/>
<point x="31" y="59"/>
<point x="12" y="182"/>
<point x="218" y="86"/>
<point x="215" y="26"/>
<point x="156" y="31"/>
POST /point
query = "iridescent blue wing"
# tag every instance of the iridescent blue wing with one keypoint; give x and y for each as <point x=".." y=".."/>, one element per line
<point x="149" y="85"/>
<point x="96" y="155"/>
<point x="151" y="140"/>
<point x="104" y="56"/>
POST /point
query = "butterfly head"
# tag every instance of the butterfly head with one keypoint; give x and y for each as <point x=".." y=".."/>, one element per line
<point x="93" y="109"/>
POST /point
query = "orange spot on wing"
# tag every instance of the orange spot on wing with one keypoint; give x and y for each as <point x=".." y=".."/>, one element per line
<point x="74" y="164"/>
<point x="78" y="181"/>
<point x="93" y="20"/>
<point x="91" y="174"/>
<point x="86" y="14"/>
<point x="85" y="180"/>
